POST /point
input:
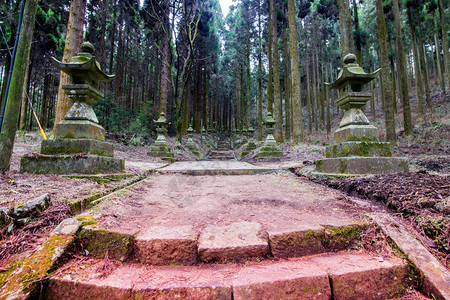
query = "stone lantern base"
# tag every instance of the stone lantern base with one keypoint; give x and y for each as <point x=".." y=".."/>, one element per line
<point x="250" y="147"/>
<point x="270" y="149"/>
<point x="361" y="157"/>
<point x="160" y="149"/>
<point x="70" y="156"/>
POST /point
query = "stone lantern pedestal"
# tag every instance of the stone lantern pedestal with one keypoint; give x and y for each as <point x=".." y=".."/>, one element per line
<point x="160" y="147"/>
<point x="79" y="145"/>
<point x="270" y="149"/>
<point x="357" y="149"/>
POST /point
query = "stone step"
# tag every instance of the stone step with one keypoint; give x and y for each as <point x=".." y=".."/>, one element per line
<point x="327" y="276"/>
<point x="237" y="242"/>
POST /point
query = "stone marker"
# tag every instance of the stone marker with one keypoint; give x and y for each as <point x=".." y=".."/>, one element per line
<point x="160" y="148"/>
<point x="79" y="145"/>
<point x="357" y="150"/>
<point x="270" y="149"/>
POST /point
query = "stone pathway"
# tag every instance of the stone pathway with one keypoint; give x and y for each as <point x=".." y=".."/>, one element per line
<point x="269" y="235"/>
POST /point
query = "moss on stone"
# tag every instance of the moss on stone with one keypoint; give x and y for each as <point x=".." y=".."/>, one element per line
<point x="342" y="166"/>
<point x="100" y="241"/>
<point x="103" y="178"/>
<point x="23" y="276"/>
<point x="340" y="238"/>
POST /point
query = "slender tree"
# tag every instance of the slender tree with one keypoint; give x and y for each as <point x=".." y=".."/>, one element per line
<point x="297" y="109"/>
<point x="74" y="38"/>
<point x="403" y="76"/>
<point x="386" y="85"/>
<point x="14" y="100"/>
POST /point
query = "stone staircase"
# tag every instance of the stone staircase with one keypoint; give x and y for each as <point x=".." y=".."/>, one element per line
<point x="223" y="151"/>
<point x="238" y="261"/>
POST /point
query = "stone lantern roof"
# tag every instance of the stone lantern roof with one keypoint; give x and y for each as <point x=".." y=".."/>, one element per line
<point x="352" y="74"/>
<point x="83" y="68"/>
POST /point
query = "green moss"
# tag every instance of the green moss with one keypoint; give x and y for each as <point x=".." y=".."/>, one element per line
<point x="23" y="277"/>
<point x="103" y="178"/>
<point x="100" y="241"/>
<point x="342" y="166"/>
<point x="87" y="220"/>
<point x="340" y="238"/>
<point x="354" y="138"/>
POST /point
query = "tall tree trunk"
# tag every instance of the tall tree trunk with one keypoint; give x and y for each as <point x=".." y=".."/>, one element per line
<point x="402" y="72"/>
<point x="389" y="117"/>
<point x="297" y="109"/>
<point x="74" y="38"/>
<point x="438" y="55"/>
<point x="260" y="96"/>
<point x="444" y="39"/>
<point x="308" y="91"/>
<point x="270" y="59"/>
<point x="358" y="37"/>
<point x="345" y="24"/>
<point x="287" y="79"/>
<point x="417" y="72"/>
<point x="14" y="100"/>
<point x="25" y="95"/>
<point x="165" y="61"/>
<point x="277" y="103"/>
<point x="426" y="78"/>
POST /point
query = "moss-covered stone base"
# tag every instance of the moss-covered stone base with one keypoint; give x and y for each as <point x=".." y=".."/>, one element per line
<point x="366" y="149"/>
<point x="363" y="165"/>
<point x="162" y="152"/>
<point x="270" y="152"/>
<point x="79" y="129"/>
<point x="72" y="146"/>
<point x="71" y="164"/>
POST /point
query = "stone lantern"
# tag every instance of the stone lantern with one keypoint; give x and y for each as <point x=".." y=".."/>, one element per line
<point x="160" y="148"/>
<point x="251" y="142"/>
<point x="190" y="142"/>
<point x="270" y="149"/>
<point x="357" y="149"/>
<point x="79" y="132"/>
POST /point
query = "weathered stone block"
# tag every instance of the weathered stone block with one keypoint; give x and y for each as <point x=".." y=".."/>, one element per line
<point x="286" y="280"/>
<point x="101" y="241"/>
<point x="161" y="245"/>
<point x="235" y="242"/>
<point x="351" y="132"/>
<point x="301" y="242"/>
<point x="362" y="165"/>
<point x="31" y="208"/>
<point x="79" y="129"/>
<point x="70" y="164"/>
<point x="365" y="149"/>
<point x="72" y="146"/>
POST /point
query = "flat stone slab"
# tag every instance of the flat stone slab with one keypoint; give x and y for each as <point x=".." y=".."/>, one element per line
<point x="73" y="146"/>
<point x="362" y="165"/>
<point x="306" y="278"/>
<point x="356" y="277"/>
<point x="167" y="245"/>
<point x="234" y="242"/>
<point x="70" y="164"/>
<point x="214" y="167"/>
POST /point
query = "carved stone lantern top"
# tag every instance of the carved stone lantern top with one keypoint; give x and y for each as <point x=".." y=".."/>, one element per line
<point x="352" y="77"/>
<point x="83" y="68"/>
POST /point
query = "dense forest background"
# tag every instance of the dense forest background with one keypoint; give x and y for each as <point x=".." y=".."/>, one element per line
<point x="226" y="72"/>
